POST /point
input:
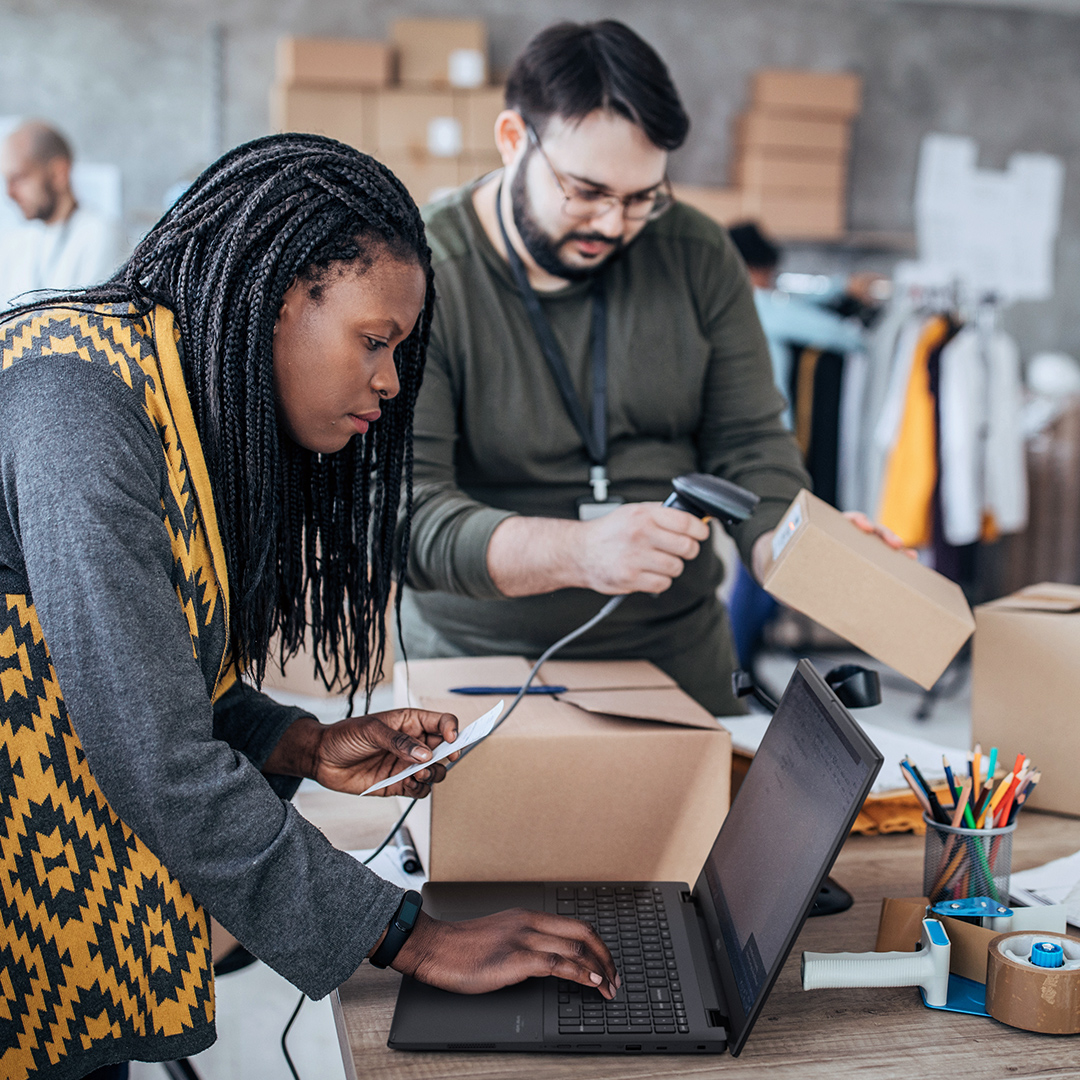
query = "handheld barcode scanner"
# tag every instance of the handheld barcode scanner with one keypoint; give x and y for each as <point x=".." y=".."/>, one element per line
<point x="707" y="497"/>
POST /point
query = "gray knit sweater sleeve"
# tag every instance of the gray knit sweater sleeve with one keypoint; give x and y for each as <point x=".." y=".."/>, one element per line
<point x="81" y="477"/>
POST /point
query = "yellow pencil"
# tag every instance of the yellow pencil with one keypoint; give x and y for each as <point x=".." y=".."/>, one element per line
<point x="976" y="774"/>
<point x="998" y="795"/>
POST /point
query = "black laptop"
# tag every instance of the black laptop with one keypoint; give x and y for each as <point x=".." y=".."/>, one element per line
<point x="696" y="964"/>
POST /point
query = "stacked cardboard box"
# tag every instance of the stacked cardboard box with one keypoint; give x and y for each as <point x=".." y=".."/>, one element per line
<point x="791" y="154"/>
<point x="420" y="103"/>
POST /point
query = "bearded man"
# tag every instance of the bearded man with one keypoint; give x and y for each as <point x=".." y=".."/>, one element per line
<point x="593" y="338"/>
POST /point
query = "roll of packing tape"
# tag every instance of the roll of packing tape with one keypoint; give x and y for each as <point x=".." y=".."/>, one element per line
<point x="1033" y="982"/>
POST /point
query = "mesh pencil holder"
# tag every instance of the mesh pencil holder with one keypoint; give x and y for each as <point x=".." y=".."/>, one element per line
<point x="959" y="863"/>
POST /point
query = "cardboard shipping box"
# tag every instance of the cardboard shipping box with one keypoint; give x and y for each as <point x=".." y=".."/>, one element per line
<point x="838" y="93"/>
<point x="347" y="63"/>
<point x="426" y="177"/>
<point x="900" y="612"/>
<point x="1025" y="686"/>
<point x="797" y="131"/>
<point x="771" y="169"/>
<point x="623" y="777"/>
<point x="724" y="205"/>
<point x="792" y="215"/>
<point x="417" y="121"/>
<point x="345" y="115"/>
<point x="441" y="52"/>
<point x="477" y="110"/>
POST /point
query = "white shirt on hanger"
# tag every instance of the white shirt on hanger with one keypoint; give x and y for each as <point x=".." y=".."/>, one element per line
<point x="83" y="250"/>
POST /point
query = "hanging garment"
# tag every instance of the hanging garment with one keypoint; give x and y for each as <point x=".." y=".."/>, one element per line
<point x="983" y="473"/>
<point x="906" y="505"/>
<point x="851" y="458"/>
<point x="817" y="381"/>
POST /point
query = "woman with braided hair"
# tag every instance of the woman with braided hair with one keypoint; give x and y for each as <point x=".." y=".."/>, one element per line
<point x="201" y="456"/>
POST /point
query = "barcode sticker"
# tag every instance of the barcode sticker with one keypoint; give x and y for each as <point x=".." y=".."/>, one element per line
<point x="786" y="530"/>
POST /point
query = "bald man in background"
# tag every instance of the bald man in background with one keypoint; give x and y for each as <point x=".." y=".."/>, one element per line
<point x="62" y="245"/>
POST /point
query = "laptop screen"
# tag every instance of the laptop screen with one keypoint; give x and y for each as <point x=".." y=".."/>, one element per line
<point x="792" y="813"/>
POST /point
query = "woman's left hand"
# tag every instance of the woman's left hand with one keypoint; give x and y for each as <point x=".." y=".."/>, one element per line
<point x="359" y="751"/>
<point x="862" y="522"/>
<point x="362" y="750"/>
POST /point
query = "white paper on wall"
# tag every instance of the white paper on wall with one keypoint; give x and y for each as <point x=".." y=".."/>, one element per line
<point x="993" y="231"/>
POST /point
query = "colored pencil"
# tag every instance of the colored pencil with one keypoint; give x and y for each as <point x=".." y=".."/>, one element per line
<point x="991" y="767"/>
<point x="976" y="772"/>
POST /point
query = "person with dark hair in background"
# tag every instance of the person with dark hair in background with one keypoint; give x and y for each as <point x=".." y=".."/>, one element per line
<point x="593" y="339"/>
<point x="62" y="245"/>
<point x="205" y="452"/>
<point x="823" y="321"/>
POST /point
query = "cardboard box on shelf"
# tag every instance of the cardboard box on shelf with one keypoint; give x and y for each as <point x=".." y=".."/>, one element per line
<point x="426" y="177"/>
<point x="835" y="92"/>
<point x="900" y="612"/>
<point x="764" y="169"/>
<point x="473" y="166"/>
<point x="477" y="110"/>
<point x="776" y="128"/>
<point x="348" y="63"/>
<point x="441" y="52"/>
<point x="406" y="119"/>
<point x="623" y="777"/>
<point x="346" y="115"/>
<point x="1025" y="683"/>
<point x="724" y="205"/>
<point x="792" y="215"/>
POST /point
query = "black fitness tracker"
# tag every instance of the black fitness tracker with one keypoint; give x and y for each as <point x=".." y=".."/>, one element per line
<point x="397" y="933"/>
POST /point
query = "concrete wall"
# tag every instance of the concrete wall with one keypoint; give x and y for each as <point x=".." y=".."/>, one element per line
<point x="133" y="83"/>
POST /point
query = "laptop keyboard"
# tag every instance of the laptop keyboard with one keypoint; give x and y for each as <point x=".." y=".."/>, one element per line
<point x="633" y="924"/>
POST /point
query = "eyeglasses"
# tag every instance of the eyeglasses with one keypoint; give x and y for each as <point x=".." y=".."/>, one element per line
<point x="584" y="203"/>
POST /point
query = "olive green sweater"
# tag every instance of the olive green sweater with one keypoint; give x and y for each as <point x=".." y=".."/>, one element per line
<point x="689" y="389"/>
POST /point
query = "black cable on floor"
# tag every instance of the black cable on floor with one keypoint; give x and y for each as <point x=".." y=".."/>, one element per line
<point x="285" y="1035"/>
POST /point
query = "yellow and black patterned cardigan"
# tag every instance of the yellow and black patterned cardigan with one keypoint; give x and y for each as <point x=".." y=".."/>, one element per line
<point x="103" y="955"/>
<point x="114" y="602"/>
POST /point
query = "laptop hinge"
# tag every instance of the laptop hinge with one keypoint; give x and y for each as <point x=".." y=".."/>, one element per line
<point x="688" y="897"/>
<point x="717" y="1019"/>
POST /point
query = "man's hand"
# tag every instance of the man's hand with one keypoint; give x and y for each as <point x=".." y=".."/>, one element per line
<point x="641" y="547"/>
<point x="479" y="955"/>
<point x="359" y="751"/>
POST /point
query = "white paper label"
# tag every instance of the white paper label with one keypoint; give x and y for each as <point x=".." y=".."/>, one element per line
<point x="444" y="136"/>
<point x="477" y="730"/>
<point x="786" y="530"/>
<point x="465" y="68"/>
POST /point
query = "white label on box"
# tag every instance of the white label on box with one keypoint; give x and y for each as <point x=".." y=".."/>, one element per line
<point x="786" y="530"/>
<point x="465" y="68"/>
<point x="444" y="136"/>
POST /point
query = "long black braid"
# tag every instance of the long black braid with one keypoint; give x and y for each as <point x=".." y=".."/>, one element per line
<point x="312" y="541"/>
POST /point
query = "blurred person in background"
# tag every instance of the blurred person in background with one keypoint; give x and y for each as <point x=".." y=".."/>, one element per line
<point x="62" y="245"/>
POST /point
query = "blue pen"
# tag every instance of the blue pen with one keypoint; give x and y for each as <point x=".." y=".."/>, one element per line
<point x="491" y="691"/>
<point x="949" y="777"/>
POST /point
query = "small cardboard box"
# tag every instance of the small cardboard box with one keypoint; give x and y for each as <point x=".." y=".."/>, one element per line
<point x="345" y="115"/>
<point x="426" y="49"/>
<point x="776" y="128"/>
<point x="477" y="110"/>
<point x="408" y="119"/>
<point x="838" y="93"/>
<point x="1025" y="684"/>
<point x="347" y="63"/>
<point x="762" y="169"/>
<point x="623" y="777"/>
<point x="724" y="205"/>
<point x="798" y="214"/>
<point x="889" y="605"/>
<point x="426" y="177"/>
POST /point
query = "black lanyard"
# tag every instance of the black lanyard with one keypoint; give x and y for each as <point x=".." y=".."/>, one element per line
<point x="594" y="437"/>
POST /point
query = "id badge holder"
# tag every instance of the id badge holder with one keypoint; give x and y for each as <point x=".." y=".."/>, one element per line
<point x="589" y="509"/>
<point x="600" y="503"/>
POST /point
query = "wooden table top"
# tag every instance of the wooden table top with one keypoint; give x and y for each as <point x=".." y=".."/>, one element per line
<point x="880" y="1033"/>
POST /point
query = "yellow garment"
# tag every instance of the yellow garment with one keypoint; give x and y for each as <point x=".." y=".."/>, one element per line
<point x="804" y="399"/>
<point x="907" y="495"/>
